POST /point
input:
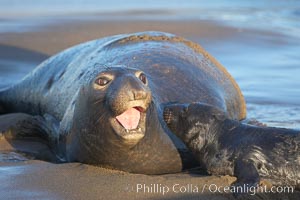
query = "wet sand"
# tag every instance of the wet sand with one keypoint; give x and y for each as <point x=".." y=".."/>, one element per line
<point x="33" y="179"/>
<point x="55" y="37"/>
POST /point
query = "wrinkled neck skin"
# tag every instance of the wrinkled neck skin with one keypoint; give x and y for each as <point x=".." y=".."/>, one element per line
<point x="92" y="140"/>
<point x="207" y="142"/>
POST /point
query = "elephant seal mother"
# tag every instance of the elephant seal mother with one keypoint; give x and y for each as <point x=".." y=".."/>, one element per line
<point x="101" y="102"/>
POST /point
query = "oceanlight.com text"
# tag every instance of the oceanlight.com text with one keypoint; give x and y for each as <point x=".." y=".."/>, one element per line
<point x="163" y="189"/>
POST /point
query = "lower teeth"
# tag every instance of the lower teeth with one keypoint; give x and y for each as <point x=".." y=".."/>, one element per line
<point x="127" y="131"/>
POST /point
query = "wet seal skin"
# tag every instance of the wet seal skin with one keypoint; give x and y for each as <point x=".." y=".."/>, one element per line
<point x="101" y="102"/>
<point x="228" y="147"/>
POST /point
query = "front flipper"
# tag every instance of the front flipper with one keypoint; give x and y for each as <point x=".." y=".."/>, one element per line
<point x="32" y="135"/>
<point x="45" y="127"/>
<point x="246" y="173"/>
<point x="24" y="126"/>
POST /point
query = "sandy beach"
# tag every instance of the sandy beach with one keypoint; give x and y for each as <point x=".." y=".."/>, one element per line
<point x="23" y="178"/>
<point x="53" y="38"/>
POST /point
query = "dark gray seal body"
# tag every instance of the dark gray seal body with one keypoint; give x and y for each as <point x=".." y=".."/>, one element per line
<point x="228" y="147"/>
<point x="101" y="101"/>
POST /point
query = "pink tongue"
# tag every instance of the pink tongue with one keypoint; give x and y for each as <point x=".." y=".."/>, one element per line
<point x="129" y="119"/>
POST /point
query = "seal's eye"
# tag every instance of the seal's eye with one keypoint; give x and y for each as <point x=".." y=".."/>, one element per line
<point x="102" y="81"/>
<point x="143" y="78"/>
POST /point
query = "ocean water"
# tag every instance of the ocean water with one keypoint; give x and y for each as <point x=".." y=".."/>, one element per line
<point x="260" y="14"/>
<point x="267" y="71"/>
<point x="266" y="65"/>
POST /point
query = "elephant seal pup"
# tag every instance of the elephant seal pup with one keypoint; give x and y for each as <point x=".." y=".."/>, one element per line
<point x="101" y="102"/>
<point x="228" y="147"/>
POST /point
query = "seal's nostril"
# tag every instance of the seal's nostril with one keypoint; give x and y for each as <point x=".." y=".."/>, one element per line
<point x="138" y="95"/>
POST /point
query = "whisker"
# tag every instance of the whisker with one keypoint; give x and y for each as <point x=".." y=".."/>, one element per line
<point x="98" y="101"/>
<point x="101" y="117"/>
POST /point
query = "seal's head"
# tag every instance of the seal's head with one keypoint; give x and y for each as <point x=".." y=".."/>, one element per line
<point x="195" y="123"/>
<point x="115" y="124"/>
<point x="113" y="106"/>
<point x="122" y="96"/>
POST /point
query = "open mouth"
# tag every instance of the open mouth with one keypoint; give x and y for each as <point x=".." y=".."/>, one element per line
<point x="130" y="125"/>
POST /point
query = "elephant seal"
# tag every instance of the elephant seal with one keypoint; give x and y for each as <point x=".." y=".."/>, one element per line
<point x="228" y="147"/>
<point x="101" y="102"/>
